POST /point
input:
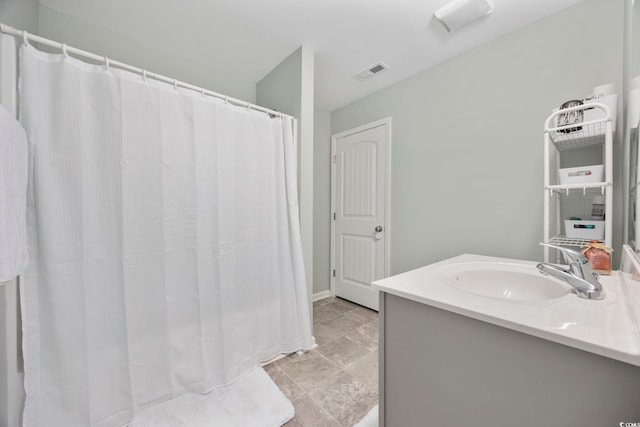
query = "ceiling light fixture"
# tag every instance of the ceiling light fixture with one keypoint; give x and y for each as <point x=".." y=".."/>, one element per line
<point x="458" y="13"/>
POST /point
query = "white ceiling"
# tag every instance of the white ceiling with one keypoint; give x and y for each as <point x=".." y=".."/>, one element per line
<point x="248" y="38"/>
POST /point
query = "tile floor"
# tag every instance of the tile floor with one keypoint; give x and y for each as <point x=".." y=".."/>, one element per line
<point x="337" y="383"/>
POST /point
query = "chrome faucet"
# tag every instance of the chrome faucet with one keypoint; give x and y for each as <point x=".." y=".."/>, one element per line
<point x="579" y="274"/>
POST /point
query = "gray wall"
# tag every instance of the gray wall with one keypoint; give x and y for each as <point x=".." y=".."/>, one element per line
<point x="635" y="42"/>
<point x="77" y="33"/>
<point x="281" y="89"/>
<point x="289" y="88"/>
<point x="467" y="142"/>
<point x="321" y="201"/>
<point x="20" y="14"/>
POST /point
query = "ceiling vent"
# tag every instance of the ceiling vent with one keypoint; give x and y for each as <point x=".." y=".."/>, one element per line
<point x="371" y="71"/>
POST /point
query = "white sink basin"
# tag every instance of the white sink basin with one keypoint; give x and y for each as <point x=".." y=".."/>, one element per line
<point x="514" y="282"/>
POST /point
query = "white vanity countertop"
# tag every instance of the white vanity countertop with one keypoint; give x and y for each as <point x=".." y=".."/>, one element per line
<point x="608" y="327"/>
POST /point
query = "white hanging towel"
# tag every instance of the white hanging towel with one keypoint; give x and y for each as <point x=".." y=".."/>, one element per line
<point x="13" y="196"/>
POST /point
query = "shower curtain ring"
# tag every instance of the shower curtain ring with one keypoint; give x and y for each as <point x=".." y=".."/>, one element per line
<point x="25" y="38"/>
<point x="107" y="63"/>
<point x="202" y="92"/>
<point x="144" y="75"/>
<point x="64" y="50"/>
<point x="175" y="84"/>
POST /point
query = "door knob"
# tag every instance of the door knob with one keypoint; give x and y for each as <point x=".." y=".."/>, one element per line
<point x="378" y="229"/>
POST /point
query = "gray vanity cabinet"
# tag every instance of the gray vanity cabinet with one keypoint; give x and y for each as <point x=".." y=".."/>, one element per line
<point x="442" y="369"/>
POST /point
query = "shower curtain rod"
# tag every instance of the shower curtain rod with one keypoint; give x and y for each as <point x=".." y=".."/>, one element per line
<point x="26" y="37"/>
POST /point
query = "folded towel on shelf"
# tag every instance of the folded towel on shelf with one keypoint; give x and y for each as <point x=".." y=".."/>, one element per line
<point x="13" y="196"/>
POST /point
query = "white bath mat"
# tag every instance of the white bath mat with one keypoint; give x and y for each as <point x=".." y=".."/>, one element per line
<point x="252" y="400"/>
<point x="369" y="420"/>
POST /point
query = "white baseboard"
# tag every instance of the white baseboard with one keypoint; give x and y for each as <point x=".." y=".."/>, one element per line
<point x="321" y="295"/>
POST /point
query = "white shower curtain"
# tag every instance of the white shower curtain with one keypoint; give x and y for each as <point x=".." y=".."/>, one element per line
<point x="164" y="242"/>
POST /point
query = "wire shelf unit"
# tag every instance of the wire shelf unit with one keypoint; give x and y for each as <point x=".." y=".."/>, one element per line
<point x="569" y="241"/>
<point x="579" y="189"/>
<point x="596" y="130"/>
<point x="588" y="135"/>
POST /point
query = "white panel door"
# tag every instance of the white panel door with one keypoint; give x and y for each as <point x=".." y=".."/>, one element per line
<point x="360" y="185"/>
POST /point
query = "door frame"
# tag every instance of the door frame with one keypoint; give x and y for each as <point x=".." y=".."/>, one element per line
<point x="387" y="195"/>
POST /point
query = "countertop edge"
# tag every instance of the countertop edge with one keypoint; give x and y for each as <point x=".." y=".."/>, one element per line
<point x="539" y="332"/>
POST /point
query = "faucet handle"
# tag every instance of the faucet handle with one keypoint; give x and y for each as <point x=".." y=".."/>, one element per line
<point x="570" y="255"/>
